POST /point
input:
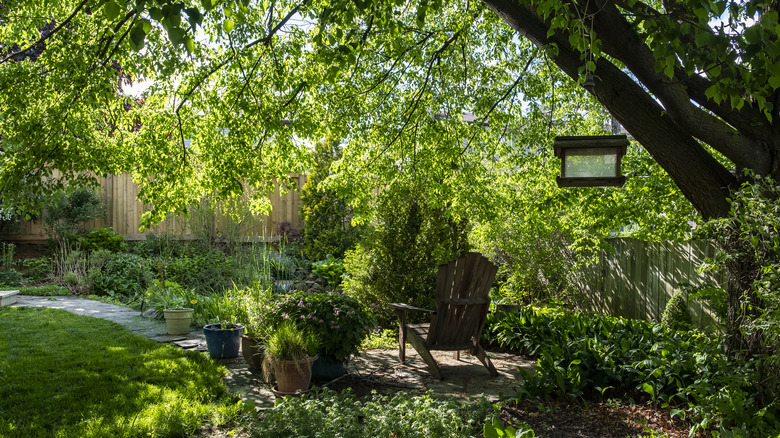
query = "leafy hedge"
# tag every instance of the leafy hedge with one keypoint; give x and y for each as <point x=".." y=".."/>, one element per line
<point x="580" y="355"/>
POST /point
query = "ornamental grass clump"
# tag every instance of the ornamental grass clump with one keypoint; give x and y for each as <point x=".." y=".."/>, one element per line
<point x="288" y="343"/>
<point x="339" y="321"/>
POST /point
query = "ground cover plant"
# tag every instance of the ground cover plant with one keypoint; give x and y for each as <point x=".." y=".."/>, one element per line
<point x="72" y="376"/>
<point x="596" y="356"/>
<point x="330" y="414"/>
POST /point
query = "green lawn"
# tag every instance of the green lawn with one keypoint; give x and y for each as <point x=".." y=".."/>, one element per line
<point x="64" y="375"/>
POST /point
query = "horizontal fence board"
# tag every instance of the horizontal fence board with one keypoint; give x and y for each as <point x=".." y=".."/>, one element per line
<point x="638" y="279"/>
<point x="124" y="211"/>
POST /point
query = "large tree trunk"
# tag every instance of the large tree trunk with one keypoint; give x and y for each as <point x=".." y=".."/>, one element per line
<point x="665" y="116"/>
<point x="664" y="121"/>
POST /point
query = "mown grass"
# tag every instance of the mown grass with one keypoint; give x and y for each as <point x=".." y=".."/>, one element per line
<point x="65" y="375"/>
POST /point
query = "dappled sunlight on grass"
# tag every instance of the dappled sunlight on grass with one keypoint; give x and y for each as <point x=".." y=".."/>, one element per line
<point x="68" y="375"/>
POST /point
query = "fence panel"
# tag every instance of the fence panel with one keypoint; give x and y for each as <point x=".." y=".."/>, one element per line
<point x="123" y="214"/>
<point x="637" y="279"/>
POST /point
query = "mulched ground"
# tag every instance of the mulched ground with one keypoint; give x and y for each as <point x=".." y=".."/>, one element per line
<point x="597" y="420"/>
<point x="363" y="385"/>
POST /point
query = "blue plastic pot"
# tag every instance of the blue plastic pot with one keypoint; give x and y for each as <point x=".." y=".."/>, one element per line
<point x="223" y="343"/>
<point x="327" y="368"/>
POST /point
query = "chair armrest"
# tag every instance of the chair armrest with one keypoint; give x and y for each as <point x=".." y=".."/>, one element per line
<point x="402" y="306"/>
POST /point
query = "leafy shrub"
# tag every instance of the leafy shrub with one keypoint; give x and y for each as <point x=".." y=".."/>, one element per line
<point x="327" y="413"/>
<point x="331" y="269"/>
<point x="7" y="256"/>
<point x="38" y="269"/>
<point x="340" y="322"/>
<point x="102" y="238"/>
<point x="397" y="261"/>
<point x="207" y="271"/>
<point x="8" y="275"/>
<point x="166" y="245"/>
<point x="583" y="355"/>
<point x="11" y="277"/>
<point x="70" y="278"/>
<point x="380" y="338"/>
<point x="124" y="274"/>
<point x="169" y="295"/>
<point x="327" y="218"/>
<point x="676" y="315"/>
<point x="68" y="211"/>
<point x="534" y="258"/>
<point x="748" y="241"/>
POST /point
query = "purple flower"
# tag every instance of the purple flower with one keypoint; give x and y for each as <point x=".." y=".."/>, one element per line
<point x="336" y="327"/>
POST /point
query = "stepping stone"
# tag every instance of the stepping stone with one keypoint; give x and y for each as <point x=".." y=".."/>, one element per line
<point x="168" y="338"/>
<point x="188" y="343"/>
<point x="8" y="297"/>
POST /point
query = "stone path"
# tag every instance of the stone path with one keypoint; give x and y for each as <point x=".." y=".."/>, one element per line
<point x="463" y="378"/>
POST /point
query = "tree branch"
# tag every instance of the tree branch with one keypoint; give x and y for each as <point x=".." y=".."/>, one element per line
<point x="703" y="180"/>
<point x="43" y="38"/>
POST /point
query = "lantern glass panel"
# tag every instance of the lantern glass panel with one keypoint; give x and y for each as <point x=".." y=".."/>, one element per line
<point x="590" y="163"/>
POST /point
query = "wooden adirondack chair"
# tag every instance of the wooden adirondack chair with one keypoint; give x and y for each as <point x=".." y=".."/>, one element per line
<point x="462" y="303"/>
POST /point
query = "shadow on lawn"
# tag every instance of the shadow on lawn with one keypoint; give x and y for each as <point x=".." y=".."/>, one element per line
<point x="69" y="375"/>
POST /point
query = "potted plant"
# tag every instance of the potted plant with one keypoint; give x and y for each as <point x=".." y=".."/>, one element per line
<point x="253" y="341"/>
<point x="339" y="321"/>
<point x="223" y="339"/>
<point x="167" y="297"/>
<point x="289" y="354"/>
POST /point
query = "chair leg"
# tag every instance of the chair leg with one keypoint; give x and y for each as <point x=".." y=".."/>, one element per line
<point x="482" y="356"/>
<point x="401" y="335"/>
<point x="419" y="345"/>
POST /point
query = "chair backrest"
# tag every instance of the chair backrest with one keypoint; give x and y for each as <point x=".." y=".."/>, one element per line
<point x="462" y="302"/>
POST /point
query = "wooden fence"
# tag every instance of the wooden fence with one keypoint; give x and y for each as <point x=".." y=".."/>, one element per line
<point x="638" y="278"/>
<point x="123" y="215"/>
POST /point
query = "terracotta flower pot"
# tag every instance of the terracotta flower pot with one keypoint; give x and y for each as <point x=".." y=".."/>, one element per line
<point x="178" y="321"/>
<point x="293" y="375"/>
<point x="253" y="351"/>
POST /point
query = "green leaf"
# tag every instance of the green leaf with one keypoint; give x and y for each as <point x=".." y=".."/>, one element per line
<point x="137" y="36"/>
<point x="156" y="14"/>
<point x="207" y="5"/>
<point x="228" y="25"/>
<point x="753" y="34"/>
<point x="146" y="25"/>
<point x="490" y="431"/>
<point x="774" y="82"/>
<point x="194" y="17"/>
<point x="176" y="35"/>
<point x="189" y="44"/>
<point x="648" y="388"/>
<point x="111" y="10"/>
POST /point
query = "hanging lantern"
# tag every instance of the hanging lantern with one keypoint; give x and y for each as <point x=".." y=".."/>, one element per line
<point x="590" y="161"/>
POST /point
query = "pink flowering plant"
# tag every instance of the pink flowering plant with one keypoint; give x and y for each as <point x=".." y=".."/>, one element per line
<point x="340" y="322"/>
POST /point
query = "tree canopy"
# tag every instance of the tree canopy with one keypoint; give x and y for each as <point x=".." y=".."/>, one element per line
<point x="238" y="87"/>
